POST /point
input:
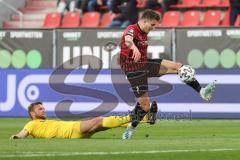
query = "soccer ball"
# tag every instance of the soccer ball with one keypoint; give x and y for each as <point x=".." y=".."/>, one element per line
<point x="186" y="73"/>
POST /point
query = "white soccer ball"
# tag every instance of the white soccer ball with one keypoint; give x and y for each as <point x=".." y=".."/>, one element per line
<point x="186" y="73"/>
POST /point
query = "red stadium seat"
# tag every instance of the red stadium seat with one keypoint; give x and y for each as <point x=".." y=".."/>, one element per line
<point x="191" y="3"/>
<point x="91" y="19"/>
<point x="212" y="18"/>
<point x="52" y="20"/>
<point x="237" y="23"/>
<point x="225" y="3"/>
<point x="71" y="20"/>
<point x="226" y="20"/>
<point x="171" y="19"/>
<point x="106" y="19"/>
<point x="191" y="19"/>
<point x="187" y="4"/>
<point x="210" y="3"/>
<point x="141" y="3"/>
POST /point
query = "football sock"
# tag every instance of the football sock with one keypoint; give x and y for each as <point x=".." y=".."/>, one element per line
<point x="142" y="114"/>
<point x="195" y="85"/>
<point x="144" y="120"/>
<point x="115" y="121"/>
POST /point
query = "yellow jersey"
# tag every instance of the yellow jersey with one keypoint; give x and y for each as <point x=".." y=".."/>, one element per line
<point x="53" y="129"/>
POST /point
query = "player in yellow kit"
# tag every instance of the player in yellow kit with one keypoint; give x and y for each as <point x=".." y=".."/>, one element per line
<point x="40" y="127"/>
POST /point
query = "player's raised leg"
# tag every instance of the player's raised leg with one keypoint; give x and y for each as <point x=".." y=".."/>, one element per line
<point x="170" y="67"/>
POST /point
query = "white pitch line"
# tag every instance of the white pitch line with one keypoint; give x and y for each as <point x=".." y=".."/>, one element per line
<point x="53" y="154"/>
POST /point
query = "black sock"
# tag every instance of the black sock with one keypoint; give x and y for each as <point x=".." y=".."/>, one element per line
<point x="195" y="85"/>
<point x="135" y="123"/>
<point x="140" y="112"/>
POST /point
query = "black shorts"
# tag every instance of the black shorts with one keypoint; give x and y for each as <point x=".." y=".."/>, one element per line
<point x="139" y="79"/>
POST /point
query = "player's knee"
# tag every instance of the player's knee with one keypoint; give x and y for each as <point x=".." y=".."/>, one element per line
<point x="93" y="125"/>
<point x="177" y="65"/>
<point x="98" y="122"/>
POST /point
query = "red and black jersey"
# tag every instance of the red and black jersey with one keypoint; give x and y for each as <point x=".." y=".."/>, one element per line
<point x="140" y="40"/>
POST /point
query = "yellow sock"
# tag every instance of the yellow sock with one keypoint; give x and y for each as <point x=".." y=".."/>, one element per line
<point x="115" y="121"/>
<point x="145" y="120"/>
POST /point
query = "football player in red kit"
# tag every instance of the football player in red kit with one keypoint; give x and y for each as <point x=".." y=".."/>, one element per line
<point x="138" y="68"/>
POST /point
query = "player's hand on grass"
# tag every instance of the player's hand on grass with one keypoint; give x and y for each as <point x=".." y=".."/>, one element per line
<point x="22" y="134"/>
<point x="136" y="54"/>
<point x="14" y="137"/>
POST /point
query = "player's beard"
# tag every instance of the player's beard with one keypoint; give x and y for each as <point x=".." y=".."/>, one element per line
<point x="41" y="117"/>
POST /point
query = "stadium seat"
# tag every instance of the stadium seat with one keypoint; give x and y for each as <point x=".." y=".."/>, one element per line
<point x="211" y="3"/>
<point x="52" y="20"/>
<point x="212" y="18"/>
<point x="171" y="19"/>
<point x="91" y="19"/>
<point x="187" y="4"/>
<point x="226" y="19"/>
<point x="191" y="19"/>
<point x="237" y="23"/>
<point x="106" y="19"/>
<point x="141" y="3"/>
<point x="191" y="3"/>
<point x="225" y="3"/>
<point x="71" y="20"/>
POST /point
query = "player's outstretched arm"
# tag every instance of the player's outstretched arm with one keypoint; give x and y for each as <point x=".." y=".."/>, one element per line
<point x="22" y="134"/>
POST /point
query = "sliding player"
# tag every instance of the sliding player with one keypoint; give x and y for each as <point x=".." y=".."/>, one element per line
<point x="40" y="127"/>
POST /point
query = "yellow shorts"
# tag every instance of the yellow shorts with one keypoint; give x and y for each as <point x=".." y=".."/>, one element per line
<point x="76" y="133"/>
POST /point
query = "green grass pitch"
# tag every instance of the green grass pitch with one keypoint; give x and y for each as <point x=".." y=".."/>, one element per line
<point x="166" y="140"/>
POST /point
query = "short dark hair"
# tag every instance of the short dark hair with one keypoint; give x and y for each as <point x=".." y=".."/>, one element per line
<point x="31" y="107"/>
<point x="151" y="15"/>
